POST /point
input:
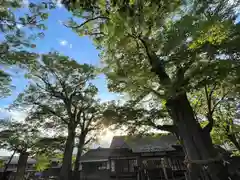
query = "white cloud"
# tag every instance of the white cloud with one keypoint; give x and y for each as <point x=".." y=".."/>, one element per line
<point x="25" y="3"/>
<point x="18" y="115"/>
<point x="19" y="26"/>
<point x="58" y="3"/>
<point x="63" y="42"/>
<point x="15" y="115"/>
<point x="60" y="22"/>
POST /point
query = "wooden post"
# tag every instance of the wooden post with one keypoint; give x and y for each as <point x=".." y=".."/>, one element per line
<point x="139" y="169"/>
<point x="163" y="162"/>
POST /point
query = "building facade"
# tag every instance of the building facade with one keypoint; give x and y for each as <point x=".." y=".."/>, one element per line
<point x="135" y="158"/>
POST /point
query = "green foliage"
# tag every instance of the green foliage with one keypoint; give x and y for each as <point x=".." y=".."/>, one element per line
<point x="28" y="137"/>
<point x="15" y="41"/>
<point x="19" y="137"/>
<point x="62" y="99"/>
<point x="4" y="84"/>
<point x="220" y="101"/>
<point x="49" y="146"/>
<point x="59" y="89"/>
<point x="156" y="50"/>
<point x="137" y="119"/>
<point x="2" y="163"/>
<point x="172" y="31"/>
<point x="43" y="162"/>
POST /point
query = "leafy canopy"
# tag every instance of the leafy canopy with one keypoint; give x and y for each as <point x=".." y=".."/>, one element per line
<point x="158" y="49"/>
<point x="15" y="39"/>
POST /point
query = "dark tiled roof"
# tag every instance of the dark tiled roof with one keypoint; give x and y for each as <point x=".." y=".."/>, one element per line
<point x="146" y="143"/>
<point x="121" y="152"/>
<point x="126" y="146"/>
<point x="96" y="154"/>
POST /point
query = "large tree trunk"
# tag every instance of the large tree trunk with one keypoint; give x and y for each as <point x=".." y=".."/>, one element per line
<point x="21" y="167"/>
<point x="197" y="142"/>
<point x="78" y="158"/>
<point x="66" y="169"/>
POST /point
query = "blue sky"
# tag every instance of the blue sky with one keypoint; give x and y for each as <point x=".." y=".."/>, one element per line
<point x="64" y="40"/>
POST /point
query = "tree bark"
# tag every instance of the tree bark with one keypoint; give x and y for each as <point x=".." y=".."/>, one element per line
<point x="66" y="169"/>
<point x="21" y="167"/>
<point x="78" y="158"/>
<point x="197" y="142"/>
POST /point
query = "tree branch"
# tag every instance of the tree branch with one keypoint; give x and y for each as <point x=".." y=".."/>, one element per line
<point x="215" y="105"/>
<point x="159" y="95"/>
<point x="88" y="141"/>
<point x="209" y="126"/>
<point x="232" y="137"/>
<point x="48" y="109"/>
<point x="52" y="90"/>
<point x="156" y="64"/>
<point x="85" y="22"/>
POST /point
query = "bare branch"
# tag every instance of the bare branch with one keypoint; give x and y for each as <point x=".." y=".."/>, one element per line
<point x="89" y="122"/>
<point x="154" y="61"/>
<point x="209" y="126"/>
<point x="88" y="141"/>
<point x="52" y="90"/>
<point x="87" y="21"/>
<point x="48" y="109"/>
<point x="216" y="104"/>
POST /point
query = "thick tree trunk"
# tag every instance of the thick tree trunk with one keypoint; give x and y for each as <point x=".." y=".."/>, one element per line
<point x="78" y="158"/>
<point x="197" y="142"/>
<point x="66" y="169"/>
<point x="21" y="167"/>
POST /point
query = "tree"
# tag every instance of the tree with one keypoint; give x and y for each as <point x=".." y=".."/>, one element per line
<point x="218" y="104"/>
<point x="27" y="140"/>
<point x="167" y="49"/>
<point x="20" y="138"/>
<point x="90" y="123"/>
<point x="15" y="42"/>
<point x="62" y="98"/>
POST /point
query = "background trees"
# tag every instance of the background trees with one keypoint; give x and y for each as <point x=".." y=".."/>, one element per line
<point x="20" y="138"/>
<point x="63" y="98"/>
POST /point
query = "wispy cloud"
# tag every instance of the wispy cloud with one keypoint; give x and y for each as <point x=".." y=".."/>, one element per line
<point x="19" y="26"/>
<point x="25" y="3"/>
<point x="64" y="42"/>
<point x="60" y="22"/>
<point x="58" y="3"/>
<point x="15" y="115"/>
